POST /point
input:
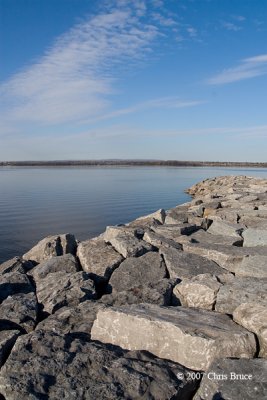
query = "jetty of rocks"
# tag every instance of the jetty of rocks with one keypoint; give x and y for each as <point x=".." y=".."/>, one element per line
<point x="169" y="306"/>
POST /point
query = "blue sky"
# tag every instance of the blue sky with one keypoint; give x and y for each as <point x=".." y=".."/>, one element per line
<point x="155" y="79"/>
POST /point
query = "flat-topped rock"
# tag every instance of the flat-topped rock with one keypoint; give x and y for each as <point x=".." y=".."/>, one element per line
<point x="203" y="237"/>
<point x="225" y="229"/>
<point x="66" y="263"/>
<point x="191" y="337"/>
<point x="125" y="242"/>
<point x="254" y="318"/>
<point x="184" y="265"/>
<point x="48" y="365"/>
<point x="255" y="237"/>
<point x="238" y="290"/>
<point x="253" y="266"/>
<point x="234" y="379"/>
<point x="98" y="258"/>
<point x="159" y="241"/>
<point x="52" y="246"/>
<point x="64" y="289"/>
<point x="149" y="268"/>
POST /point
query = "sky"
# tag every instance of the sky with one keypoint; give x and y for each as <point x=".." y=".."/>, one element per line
<point x="133" y="79"/>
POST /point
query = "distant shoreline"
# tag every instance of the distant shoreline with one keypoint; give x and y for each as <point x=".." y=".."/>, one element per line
<point x="171" y="163"/>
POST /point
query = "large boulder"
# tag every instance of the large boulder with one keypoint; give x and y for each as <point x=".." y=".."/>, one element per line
<point x="52" y="246"/>
<point x="234" y="380"/>
<point x="46" y="365"/>
<point x="219" y="227"/>
<point x="98" y="258"/>
<point x="203" y="237"/>
<point x="254" y="266"/>
<point x="16" y="264"/>
<point x="147" y="269"/>
<point x="182" y="265"/>
<point x="191" y="337"/>
<point x="66" y="263"/>
<point x="255" y="237"/>
<point x="160" y="241"/>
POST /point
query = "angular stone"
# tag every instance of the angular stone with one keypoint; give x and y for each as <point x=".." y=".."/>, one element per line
<point x="225" y="229"/>
<point x="238" y="290"/>
<point x="125" y="242"/>
<point x="203" y="237"/>
<point x="191" y="337"/>
<point x="158" y="215"/>
<point x="159" y="241"/>
<point x="52" y="246"/>
<point x="184" y="265"/>
<point x="155" y="293"/>
<point x="177" y="215"/>
<point x="255" y="237"/>
<point x="66" y="263"/>
<point x="47" y="365"/>
<point x="149" y="268"/>
<point x="198" y="292"/>
<point x="254" y="266"/>
<point x="16" y="264"/>
<point x="234" y="379"/>
<point x="98" y="258"/>
<point x="7" y="341"/>
<point x="19" y="311"/>
<point x="72" y="319"/>
<point x="174" y="231"/>
<point x="12" y="283"/>
<point x="61" y="289"/>
<point x="253" y="317"/>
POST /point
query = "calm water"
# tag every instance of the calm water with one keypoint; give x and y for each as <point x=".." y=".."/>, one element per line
<point x="36" y="202"/>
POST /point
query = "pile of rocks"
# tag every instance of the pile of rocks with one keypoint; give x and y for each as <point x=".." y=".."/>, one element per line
<point x="169" y="306"/>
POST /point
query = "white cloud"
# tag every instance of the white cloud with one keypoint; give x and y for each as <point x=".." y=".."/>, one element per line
<point x="247" y="68"/>
<point x="230" y="26"/>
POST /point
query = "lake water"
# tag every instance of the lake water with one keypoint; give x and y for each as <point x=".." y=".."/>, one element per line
<point x="40" y="201"/>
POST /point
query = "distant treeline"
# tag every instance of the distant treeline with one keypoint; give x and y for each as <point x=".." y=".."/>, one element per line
<point x="172" y="163"/>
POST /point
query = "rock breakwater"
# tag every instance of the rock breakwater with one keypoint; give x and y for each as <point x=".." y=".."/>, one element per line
<point x="172" y="305"/>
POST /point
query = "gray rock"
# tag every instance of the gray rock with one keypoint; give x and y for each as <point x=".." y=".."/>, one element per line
<point x="132" y="272"/>
<point x="225" y="229"/>
<point x="16" y="264"/>
<point x="199" y="292"/>
<point x="125" y="242"/>
<point x="255" y="237"/>
<point x="184" y="265"/>
<point x="234" y="379"/>
<point x="61" y="289"/>
<point x="155" y="293"/>
<point x="48" y="365"/>
<point x="52" y="246"/>
<point x="66" y="263"/>
<point x="98" y="258"/>
<point x="177" y="215"/>
<point x="174" y="231"/>
<point x="158" y="216"/>
<point x="254" y="266"/>
<point x="7" y="341"/>
<point x="203" y="237"/>
<point x="72" y="319"/>
<point x="254" y="318"/>
<point x="238" y="290"/>
<point x="12" y="283"/>
<point x="159" y="241"/>
<point x="191" y="337"/>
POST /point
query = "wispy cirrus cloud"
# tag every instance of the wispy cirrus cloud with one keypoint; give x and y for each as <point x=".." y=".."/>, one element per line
<point x="246" y="69"/>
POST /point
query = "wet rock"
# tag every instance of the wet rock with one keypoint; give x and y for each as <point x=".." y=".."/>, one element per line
<point x="253" y="317"/>
<point x="7" y="341"/>
<point x="183" y="265"/>
<point x="199" y="292"/>
<point x="52" y="246"/>
<point x="149" y="268"/>
<point x="125" y="242"/>
<point x="98" y="258"/>
<point x="66" y="263"/>
<point x="61" y="289"/>
<point x="234" y="379"/>
<point x="238" y="290"/>
<point x="48" y="365"/>
<point x="225" y="229"/>
<point x="155" y="293"/>
<point x="191" y="337"/>
<point x="255" y="237"/>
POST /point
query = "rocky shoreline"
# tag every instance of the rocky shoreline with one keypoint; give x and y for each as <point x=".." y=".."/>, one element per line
<point x="169" y="306"/>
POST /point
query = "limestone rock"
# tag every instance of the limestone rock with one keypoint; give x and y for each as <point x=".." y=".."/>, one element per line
<point x="133" y="271"/>
<point x="225" y="229"/>
<point x="61" y="289"/>
<point x="198" y="292"/>
<point x="158" y="215"/>
<point x="234" y="379"/>
<point x="16" y="264"/>
<point x="52" y="246"/>
<point x="203" y="237"/>
<point x="184" y="265"/>
<point x="238" y="290"/>
<point x="174" y="231"/>
<point x="125" y="242"/>
<point x="255" y="237"/>
<point x="177" y="215"/>
<point x="254" y="318"/>
<point x="7" y="341"/>
<point x="155" y="293"/>
<point x="191" y="337"/>
<point x="48" y="365"/>
<point x="159" y="241"/>
<point x="254" y="266"/>
<point x="66" y="263"/>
